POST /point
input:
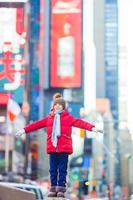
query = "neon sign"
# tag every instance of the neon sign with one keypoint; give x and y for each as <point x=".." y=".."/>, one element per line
<point x="13" y="75"/>
<point x="12" y="43"/>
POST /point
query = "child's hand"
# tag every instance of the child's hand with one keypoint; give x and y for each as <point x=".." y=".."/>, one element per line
<point x="96" y="130"/>
<point x="20" y="133"/>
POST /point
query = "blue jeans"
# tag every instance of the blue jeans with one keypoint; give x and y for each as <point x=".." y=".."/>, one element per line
<point x="58" y="168"/>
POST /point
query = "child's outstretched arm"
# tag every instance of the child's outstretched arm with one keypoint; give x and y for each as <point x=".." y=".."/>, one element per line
<point x="79" y="123"/>
<point x="33" y="127"/>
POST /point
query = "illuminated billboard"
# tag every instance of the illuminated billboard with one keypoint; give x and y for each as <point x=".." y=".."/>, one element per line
<point x="12" y="41"/>
<point x="66" y="43"/>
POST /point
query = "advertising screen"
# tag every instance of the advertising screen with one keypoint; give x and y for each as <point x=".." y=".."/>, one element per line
<point x="12" y="42"/>
<point x="66" y="43"/>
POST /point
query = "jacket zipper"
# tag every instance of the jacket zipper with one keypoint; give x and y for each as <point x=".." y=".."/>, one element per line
<point x="57" y="149"/>
<point x="68" y="137"/>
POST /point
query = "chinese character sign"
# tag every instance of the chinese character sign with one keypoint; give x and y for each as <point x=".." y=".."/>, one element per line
<point x="11" y="71"/>
<point x="12" y="40"/>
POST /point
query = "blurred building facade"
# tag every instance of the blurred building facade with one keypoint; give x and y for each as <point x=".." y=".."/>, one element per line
<point x="106" y="41"/>
<point x="13" y="78"/>
<point x="56" y="40"/>
<point x="111" y="60"/>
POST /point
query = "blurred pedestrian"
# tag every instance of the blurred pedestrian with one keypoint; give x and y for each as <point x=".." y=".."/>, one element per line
<point x="59" y="125"/>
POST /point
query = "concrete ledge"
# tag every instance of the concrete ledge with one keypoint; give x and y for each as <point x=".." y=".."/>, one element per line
<point x="11" y="193"/>
<point x="55" y="198"/>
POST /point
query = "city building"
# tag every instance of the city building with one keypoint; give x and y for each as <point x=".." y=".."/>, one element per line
<point x="112" y="37"/>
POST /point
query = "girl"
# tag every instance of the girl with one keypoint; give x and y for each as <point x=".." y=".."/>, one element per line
<point x="59" y="125"/>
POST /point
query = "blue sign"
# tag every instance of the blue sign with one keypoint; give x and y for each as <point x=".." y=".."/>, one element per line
<point x="86" y="162"/>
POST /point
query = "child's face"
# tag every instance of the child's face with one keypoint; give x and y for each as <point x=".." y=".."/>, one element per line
<point x="58" y="107"/>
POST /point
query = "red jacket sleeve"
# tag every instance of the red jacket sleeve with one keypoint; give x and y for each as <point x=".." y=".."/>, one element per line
<point x="36" y="125"/>
<point x="79" y="123"/>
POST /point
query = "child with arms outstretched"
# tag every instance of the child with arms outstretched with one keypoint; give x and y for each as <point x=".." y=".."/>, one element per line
<point x="59" y="125"/>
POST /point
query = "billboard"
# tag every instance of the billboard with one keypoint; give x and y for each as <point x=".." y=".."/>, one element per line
<point x="12" y="42"/>
<point x="66" y="43"/>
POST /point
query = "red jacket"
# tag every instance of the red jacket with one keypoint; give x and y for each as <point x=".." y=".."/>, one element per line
<point x="65" y="140"/>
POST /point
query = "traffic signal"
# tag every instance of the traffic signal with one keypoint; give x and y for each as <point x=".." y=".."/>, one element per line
<point x="85" y="187"/>
<point x="88" y="146"/>
<point x="19" y="145"/>
<point x="75" y="174"/>
<point x="34" y="162"/>
<point x="34" y="150"/>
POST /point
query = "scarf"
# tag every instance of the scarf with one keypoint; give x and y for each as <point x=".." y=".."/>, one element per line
<point x="56" y="128"/>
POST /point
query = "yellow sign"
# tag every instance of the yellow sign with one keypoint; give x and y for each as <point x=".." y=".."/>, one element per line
<point x="82" y="133"/>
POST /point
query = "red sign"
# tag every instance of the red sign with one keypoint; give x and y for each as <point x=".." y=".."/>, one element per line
<point x="10" y="73"/>
<point x="13" y="21"/>
<point x="66" y="43"/>
<point x="4" y="98"/>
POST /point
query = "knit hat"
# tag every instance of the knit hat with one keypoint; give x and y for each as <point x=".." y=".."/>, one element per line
<point x="57" y="98"/>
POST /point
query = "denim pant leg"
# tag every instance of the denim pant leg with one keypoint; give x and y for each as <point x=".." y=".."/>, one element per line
<point x="62" y="167"/>
<point x="53" y="159"/>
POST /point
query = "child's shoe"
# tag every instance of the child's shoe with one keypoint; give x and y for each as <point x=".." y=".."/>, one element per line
<point x="61" y="191"/>
<point x="52" y="192"/>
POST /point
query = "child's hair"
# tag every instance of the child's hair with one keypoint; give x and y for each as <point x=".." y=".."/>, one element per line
<point x="58" y="98"/>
